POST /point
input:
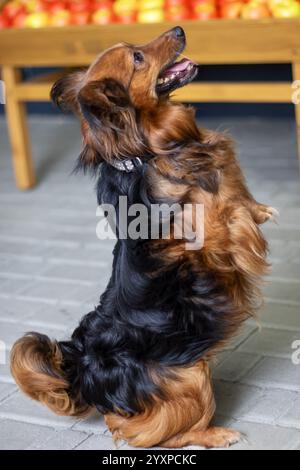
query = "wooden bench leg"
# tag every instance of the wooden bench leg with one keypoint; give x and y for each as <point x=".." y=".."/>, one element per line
<point x="296" y="76"/>
<point x="18" y="131"/>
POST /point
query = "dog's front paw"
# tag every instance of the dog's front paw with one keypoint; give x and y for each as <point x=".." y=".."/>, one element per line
<point x="264" y="214"/>
<point x="272" y="214"/>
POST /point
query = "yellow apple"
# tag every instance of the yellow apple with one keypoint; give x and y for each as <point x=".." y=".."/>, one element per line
<point x="287" y="9"/>
<point x="273" y="3"/>
<point x="124" y="6"/>
<point x="151" y="16"/>
<point x="151" y="4"/>
<point x="37" y="20"/>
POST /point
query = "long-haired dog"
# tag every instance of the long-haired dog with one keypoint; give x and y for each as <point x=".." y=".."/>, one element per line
<point x="142" y="356"/>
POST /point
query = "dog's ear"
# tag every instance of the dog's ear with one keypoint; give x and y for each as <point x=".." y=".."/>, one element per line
<point x="109" y="123"/>
<point x="102" y="103"/>
<point x="64" y="93"/>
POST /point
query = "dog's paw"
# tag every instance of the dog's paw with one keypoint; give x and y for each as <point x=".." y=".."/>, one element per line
<point x="216" y="438"/>
<point x="224" y="438"/>
<point x="266" y="213"/>
<point x="272" y="214"/>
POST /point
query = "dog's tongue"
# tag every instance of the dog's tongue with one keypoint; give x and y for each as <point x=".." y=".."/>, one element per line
<point x="179" y="66"/>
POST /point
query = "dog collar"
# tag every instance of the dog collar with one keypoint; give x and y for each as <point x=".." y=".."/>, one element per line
<point x="127" y="165"/>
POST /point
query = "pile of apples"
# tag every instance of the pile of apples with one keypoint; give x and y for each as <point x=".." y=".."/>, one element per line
<point x="42" y="13"/>
<point x="258" y="9"/>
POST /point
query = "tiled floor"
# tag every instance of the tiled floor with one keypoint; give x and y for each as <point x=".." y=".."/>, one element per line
<point x="53" y="268"/>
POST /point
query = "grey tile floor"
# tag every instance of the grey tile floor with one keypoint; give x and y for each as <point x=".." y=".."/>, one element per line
<point x="53" y="268"/>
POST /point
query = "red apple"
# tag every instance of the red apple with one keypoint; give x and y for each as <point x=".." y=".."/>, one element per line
<point x="177" y="12"/>
<point x="80" y="18"/>
<point x="19" y="20"/>
<point x="204" y="11"/>
<point x="221" y="3"/>
<point x="79" y="6"/>
<point x="56" y="6"/>
<point x="195" y="3"/>
<point x="11" y="9"/>
<point x="231" y="11"/>
<point x="4" y="22"/>
<point x="127" y="18"/>
<point x="61" y="18"/>
<point x="98" y="4"/>
<point x="171" y="3"/>
<point x="95" y="3"/>
<point x="225" y="2"/>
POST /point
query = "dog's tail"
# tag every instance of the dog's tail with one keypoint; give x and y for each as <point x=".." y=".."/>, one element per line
<point x="37" y="367"/>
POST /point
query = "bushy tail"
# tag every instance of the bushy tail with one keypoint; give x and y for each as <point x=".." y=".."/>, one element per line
<point x="36" y="365"/>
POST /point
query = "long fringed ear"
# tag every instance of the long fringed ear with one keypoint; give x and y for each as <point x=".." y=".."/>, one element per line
<point x="65" y="91"/>
<point x="36" y="365"/>
<point x="109" y="123"/>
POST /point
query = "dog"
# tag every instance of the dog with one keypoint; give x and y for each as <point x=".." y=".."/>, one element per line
<point x="142" y="357"/>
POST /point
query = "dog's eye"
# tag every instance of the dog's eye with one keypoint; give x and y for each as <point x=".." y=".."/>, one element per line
<point x="138" y="57"/>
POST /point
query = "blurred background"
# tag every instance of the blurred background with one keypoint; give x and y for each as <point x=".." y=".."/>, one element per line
<point x="53" y="268"/>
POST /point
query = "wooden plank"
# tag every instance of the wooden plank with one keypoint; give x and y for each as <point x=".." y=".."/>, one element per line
<point x="203" y="92"/>
<point x="209" y="42"/>
<point x="38" y="88"/>
<point x="33" y="92"/>
<point x="264" y="92"/>
<point x="19" y="136"/>
<point x="50" y="77"/>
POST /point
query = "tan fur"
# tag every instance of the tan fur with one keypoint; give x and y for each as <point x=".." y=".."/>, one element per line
<point x="182" y="417"/>
<point x="36" y="368"/>
<point x="234" y="247"/>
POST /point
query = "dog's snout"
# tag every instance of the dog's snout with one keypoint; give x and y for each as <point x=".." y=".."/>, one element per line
<point x="178" y="32"/>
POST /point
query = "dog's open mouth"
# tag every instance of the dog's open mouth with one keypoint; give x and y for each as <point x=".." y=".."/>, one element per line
<point x="176" y="75"/>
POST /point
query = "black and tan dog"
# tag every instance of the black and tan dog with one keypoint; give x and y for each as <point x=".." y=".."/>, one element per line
<point x="141" y="358"/>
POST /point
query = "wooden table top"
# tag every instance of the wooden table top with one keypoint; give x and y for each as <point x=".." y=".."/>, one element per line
<point x="208" y="42"/>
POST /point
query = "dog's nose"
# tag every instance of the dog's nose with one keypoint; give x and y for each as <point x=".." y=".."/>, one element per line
<point x="178" y="31"/>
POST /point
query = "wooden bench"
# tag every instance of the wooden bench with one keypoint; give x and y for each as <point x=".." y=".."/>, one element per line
<point x="212" y="42"/>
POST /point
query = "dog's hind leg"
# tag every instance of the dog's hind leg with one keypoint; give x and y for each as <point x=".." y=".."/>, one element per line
<point x="181" y="418"/>
<point x="214" y="437"/>
<point x="201" y="434"/>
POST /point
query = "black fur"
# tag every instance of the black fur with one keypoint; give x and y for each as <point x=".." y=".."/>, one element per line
<point x="142" y="322"/>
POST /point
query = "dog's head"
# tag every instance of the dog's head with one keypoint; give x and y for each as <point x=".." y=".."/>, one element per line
<point x="119" y="86"/>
